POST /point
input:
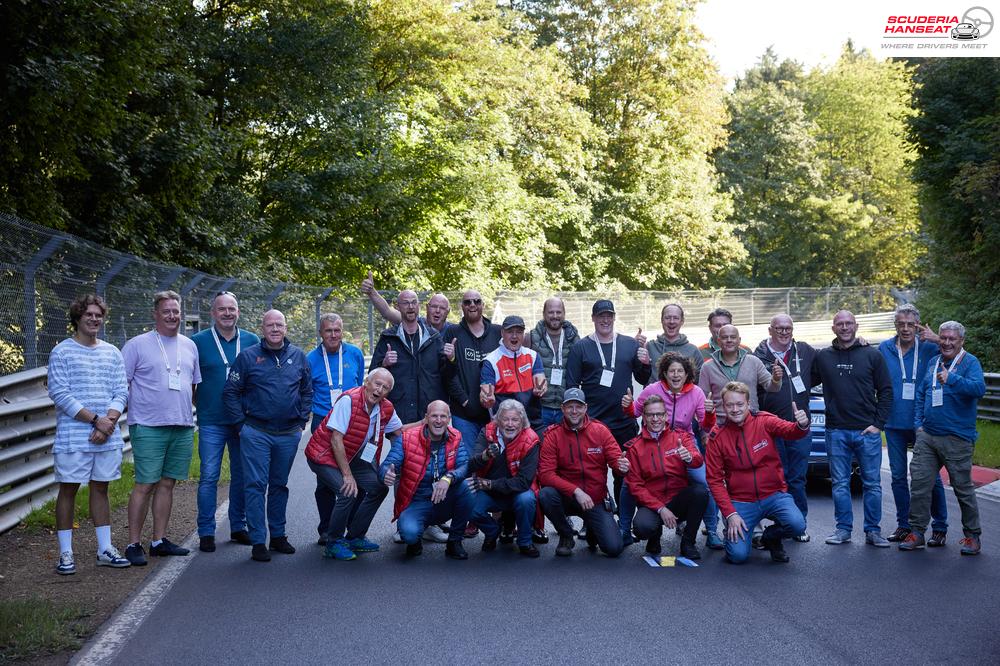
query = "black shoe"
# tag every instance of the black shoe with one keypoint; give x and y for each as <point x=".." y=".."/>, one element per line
<point x="757" y="543"/>
<point x="690" y="551"/>
<point x="167" y="547"/>
<point x="778" y="553"/>
<point x="529" y="550"/>
<point x="259" y="553"/>
<point x="582" y="532"/>
<point x="321" y="541"/>
<point x="414" y="549"/>
<point x="281" y="545"/>
<point x="507" y="537"/>
<point x="899" y="535"/>
<point x="456" y="551"/>
<point x="489" y="544"/>
<point x="539" y="536"/>
<point x="135" y="554"/>
<point x="565" y="547"/>
<point x="653" y="546"/>
<point x="242" y="537"/>
<point x="206" y="544"/>
<point x="591" y="541"/>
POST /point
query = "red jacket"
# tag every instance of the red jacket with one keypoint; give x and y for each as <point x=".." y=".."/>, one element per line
<point x="742" y="462"/>
<point x="416" y="452"/>
<point x="320" y="449"/>
<point x="571" y="459"/>
<point x="656" y="472"/>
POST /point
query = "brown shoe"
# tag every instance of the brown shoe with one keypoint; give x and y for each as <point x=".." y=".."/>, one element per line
<point x="971" y="545"/>
<point x="937" y="539"/>
<point x="913" y="541"/>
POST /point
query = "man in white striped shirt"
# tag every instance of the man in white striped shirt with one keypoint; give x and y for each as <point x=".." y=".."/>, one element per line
<point x="88" y="386"/>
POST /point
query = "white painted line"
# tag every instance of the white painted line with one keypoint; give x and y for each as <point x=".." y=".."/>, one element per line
<point x="112" y="636"/>
<point x="991" y="490"/>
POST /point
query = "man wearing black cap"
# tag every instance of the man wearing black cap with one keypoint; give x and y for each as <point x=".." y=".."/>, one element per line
<point x="514" y="371"/>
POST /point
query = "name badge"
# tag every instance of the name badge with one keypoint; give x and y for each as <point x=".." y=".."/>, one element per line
<point x="800" y="386"/>
<point x="174" y="382"/>
<point x="607" y="377"/>
<point x="334" y="394"/>
<point x="556" y="378"/>
<point x="368" y="454"/>
<point x="937" y="397"/>
<point x="909" y="391"/>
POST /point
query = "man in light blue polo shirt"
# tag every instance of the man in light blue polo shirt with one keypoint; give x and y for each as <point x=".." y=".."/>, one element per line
<point x="906" y="356"/>
<point x="336" y="367"/>
<point x="218" y="348"/>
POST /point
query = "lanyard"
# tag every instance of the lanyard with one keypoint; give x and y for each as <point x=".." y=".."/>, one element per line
<point x="218" y="345"/>
<point x="951" y="367"/>
<point x="916" y="355"/>
<point x="614" y="350"/>
<point x="557" y="355"/>
<point x="340" y="372"/>
<point x="177" y="355"/>
<point x="798" y="366"/>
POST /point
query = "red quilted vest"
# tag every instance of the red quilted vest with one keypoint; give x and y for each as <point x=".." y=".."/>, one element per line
<point x="416" y="453"/>
<point x="319" y="449"/>
<point x="515" y="451"/>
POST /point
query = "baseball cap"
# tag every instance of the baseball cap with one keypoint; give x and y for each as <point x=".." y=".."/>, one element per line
<point x="603" y="305"/>
<point x="513" y="321"/>
<point x="574" y="394"/>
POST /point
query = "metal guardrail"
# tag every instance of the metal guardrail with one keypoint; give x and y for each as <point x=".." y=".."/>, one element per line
<point x="989" y="406"/>
<point x="27" y="432"/>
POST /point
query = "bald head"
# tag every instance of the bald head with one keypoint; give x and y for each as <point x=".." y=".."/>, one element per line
<point x="274" y="328"/>
<point x="436" y="419"/>
<point x="729" y="339"/>
<point x="438" y="308"/>
<point x="408" y="305"/>
<point x="377" y="386"/>
<point x="845" y="327"/>
<point x="554" y="314"/>
<point x="472" y="306"/>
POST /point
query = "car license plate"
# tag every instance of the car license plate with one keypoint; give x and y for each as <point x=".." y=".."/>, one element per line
<point x="818" y="420"/>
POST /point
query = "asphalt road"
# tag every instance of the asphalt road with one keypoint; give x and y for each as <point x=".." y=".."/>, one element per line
<point x="832" y="604"/>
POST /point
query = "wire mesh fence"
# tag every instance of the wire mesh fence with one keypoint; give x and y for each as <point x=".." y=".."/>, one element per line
<point x="43" y="270"/>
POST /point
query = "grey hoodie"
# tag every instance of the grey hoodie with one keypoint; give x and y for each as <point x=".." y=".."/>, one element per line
<point x="661" y="346"/>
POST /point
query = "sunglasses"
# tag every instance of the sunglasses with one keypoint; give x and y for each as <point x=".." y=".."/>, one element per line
<point x="472" y="301"/>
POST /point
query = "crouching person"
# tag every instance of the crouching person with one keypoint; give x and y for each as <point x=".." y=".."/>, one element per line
<point x="659" y="460"/>
<point x="430" y="464"/>
<point x="504" y="461"/>
<point x="343" y="452"/>
<point x="573" y="471"/>
<point x="744" y="474"/>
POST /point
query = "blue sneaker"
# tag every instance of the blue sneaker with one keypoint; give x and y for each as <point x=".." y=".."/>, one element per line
<point x="713" y="541"/>
<point x="66" y="564"/>
<point x="362" y="545"/>
<point x="339" y="550"/>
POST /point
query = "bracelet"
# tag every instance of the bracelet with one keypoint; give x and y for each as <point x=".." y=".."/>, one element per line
<point x="93" y="421"/>
<point x="447" y="477"/>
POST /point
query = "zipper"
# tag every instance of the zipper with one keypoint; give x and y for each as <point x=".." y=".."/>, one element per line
<point x="743" y="438"/>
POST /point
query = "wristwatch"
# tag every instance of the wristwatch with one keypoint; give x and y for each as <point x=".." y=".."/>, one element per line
<point x="93" y="421"/>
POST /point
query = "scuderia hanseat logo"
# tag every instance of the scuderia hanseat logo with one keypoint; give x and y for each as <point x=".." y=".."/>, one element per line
<point x="911" y="30"/>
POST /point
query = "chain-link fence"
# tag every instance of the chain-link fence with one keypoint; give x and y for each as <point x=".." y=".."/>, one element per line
<point x="42" y="271"/>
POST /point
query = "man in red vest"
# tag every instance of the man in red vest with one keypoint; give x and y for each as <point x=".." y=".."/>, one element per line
<point x="343" y="452"/>
<point x="505" y="459"/>
<point x="430" y="464"/>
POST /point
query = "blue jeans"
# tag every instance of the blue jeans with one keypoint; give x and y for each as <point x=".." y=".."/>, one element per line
<point x="843" y="446"/>
<point x="267" y="459"/>
<point x="551" y="416"/>
<point x="779" y="507"/>
<point x="469" y="429"/>
<point x="212" y="441"/>
<point x="456" y="506"/>
<point x="626" y="511"/>
<point x="712" y="510"/>
<point x="795" y="461"/>
<point x="896" y="442"/>
<point x="523" y="505"/>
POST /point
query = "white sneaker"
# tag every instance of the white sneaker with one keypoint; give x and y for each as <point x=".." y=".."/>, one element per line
<point x="112" y="558"/>
<point x="397" y="537"/>
<point x="67" y="565"/>
<point x="436" y="534"/>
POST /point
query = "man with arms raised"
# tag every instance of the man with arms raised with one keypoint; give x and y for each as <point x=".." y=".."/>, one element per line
<point x="218" y="348"/>
<point x="435" y="313"/>
<point x="162" y="371"/>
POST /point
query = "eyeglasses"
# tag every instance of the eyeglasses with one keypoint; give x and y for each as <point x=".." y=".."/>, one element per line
<point x="782" y="329"/>
<point x="472" y="301"/>
<point x="655" y="415"/>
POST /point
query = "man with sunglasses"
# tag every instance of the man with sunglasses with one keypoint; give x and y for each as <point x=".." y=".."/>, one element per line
<point x="218" y="348"/>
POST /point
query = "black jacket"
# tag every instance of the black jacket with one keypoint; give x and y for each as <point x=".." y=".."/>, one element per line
<point x="502" y="482"/>
<point x="780" y="403"/>
<point x="462" y="375"/>
<point x="417" y="374"/>
<point x="857" y="388"/>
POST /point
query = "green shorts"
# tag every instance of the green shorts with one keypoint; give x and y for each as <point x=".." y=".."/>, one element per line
<point x="161" y="452"/>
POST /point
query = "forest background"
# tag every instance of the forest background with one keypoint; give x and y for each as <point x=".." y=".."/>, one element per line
<point x="567" y="145"/>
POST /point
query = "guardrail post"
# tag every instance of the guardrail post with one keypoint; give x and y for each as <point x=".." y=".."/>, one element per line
<point x="171" y="277"/>
<point x="30" y="332"/>
<point x="371" y="328"/>
<point x="319" y="303"/>
<point x="187" y="289"/>
<point x="102" y="283"/>
<point x="274" y="294"/>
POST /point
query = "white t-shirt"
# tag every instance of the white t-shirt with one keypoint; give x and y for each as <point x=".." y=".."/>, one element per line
<point x="341" y="418"/>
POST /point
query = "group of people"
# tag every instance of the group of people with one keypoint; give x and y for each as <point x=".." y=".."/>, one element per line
<point x="496" y="428"/>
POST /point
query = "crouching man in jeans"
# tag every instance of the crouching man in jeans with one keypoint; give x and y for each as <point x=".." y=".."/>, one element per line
<point x="573" y="472"/>
<point x="430" y="464"/>
<point x="745" y="475"/>
<point x="945" y="420"/>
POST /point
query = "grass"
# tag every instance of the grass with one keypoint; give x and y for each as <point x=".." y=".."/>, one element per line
<point x="30" y="627"/>
<point x="44" y="517"/>
<point x="987" y="451"/>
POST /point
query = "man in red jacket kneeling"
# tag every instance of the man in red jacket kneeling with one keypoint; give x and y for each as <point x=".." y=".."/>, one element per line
<point x="745" y="476"/>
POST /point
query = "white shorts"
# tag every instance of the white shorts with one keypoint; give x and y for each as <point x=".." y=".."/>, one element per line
<point x="84" y="466"/>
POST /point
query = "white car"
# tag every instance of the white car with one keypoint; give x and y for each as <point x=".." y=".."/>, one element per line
<point x="965" y="31"/>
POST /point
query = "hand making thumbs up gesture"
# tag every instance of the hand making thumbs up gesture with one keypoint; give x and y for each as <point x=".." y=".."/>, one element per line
<point x="800" y="416"/>
<point x="390" y="357"/>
